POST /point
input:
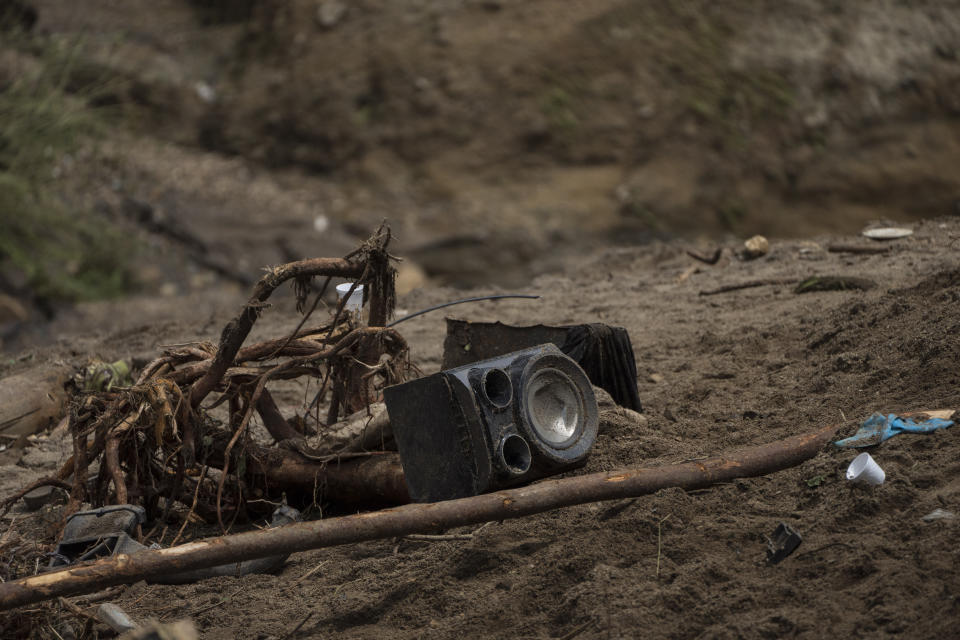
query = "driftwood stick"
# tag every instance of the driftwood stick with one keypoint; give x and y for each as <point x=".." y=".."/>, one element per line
<point x="748" y="285"/>
<point x="411" y="519"/>
<point x="857" y="248"/>
<point x="711" y="259"/>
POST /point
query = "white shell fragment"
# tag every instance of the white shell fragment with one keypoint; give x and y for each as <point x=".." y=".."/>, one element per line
<point x="887" y="233"/>
<point x="939" y="514"/>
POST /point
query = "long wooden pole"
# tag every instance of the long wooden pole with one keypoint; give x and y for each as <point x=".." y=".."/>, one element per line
<point x="413" y="518"/>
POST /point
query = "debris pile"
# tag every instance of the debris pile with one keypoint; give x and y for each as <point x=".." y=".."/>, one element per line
<point x="154" y="443"/>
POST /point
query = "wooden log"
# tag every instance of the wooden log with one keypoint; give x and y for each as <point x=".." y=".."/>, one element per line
<point x="412" y="519"/>
<point x="376" y="479"/>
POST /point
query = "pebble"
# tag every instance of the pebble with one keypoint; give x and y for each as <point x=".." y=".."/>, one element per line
<point x="38" y="497"/>
<point x="755" y="247"/>
<point x="329" y="14"/>
<point x="40" y="458"/>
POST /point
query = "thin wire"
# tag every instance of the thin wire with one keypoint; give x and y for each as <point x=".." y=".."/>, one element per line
<point x="450" y="304"/>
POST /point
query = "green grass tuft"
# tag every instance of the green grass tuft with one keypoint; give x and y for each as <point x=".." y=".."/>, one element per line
<point x="63" y="253"/>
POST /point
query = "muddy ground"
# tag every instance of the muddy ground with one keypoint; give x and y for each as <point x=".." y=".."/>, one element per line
<point x="574" y="150"/>
<point x="716" y="372"/>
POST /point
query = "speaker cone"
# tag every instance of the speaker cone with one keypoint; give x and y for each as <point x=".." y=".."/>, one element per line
<point x="555" y="407"/>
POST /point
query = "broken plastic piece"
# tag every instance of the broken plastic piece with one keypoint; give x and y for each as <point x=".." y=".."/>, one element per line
<point x="784" y="542"/>
<point x="115" y="617"/>
<point x="179" y="630"/>
<point x="95" y="533"/>
<point x="106" y="532"/>
<point x="939" y="514"/>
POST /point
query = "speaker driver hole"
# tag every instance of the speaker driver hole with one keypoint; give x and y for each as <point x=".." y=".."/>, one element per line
<point x="497" y="387"/>
<point x="516" y="454"/>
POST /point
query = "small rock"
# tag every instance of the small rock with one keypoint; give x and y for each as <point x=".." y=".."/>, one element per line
<point x="38" y="497"/>
<point x="11" y="310"/>
<point x="656" y="378"/>
<point x="321" y="223"/>
<point x="66" y="632"/>
<point x="203" y="280"/>
<point x="329" y="14"/>
<point x="39" y="457"/>
<point x="939" y="514"/>
<point x="646" y="111"/>
<point x="205" y="92"/>
<point x="755" y="247"/>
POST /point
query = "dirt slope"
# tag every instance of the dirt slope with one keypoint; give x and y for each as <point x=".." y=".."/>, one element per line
<point x="502" y="138"/>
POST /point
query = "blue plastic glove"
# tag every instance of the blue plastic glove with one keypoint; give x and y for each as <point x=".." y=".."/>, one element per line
<point x="878" y="428"/>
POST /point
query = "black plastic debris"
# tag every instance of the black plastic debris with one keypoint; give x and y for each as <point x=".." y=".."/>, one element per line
<point x="784" y="542"/>
<point x="36" y="499"/>
<point x="604" y="352"/>
<point x="492" y="424"/>
<point x="107" y="531"/>
<point x="97" y="533"/>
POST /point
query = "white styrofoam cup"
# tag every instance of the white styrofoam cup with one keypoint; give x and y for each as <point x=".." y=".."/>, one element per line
<point x="356" y="298"/>
<point x="866" y="470"/>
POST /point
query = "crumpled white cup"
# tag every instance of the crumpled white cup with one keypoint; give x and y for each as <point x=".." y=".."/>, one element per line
<point x="864" y="469"/>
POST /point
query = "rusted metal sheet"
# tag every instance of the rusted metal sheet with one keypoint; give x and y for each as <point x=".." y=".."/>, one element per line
<point x="468" y="342"/>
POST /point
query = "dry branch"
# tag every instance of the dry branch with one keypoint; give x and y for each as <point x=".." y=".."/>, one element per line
<point x="239" y="328"/>
<point x="750" y="284"/>
<point x="412" y="519"/>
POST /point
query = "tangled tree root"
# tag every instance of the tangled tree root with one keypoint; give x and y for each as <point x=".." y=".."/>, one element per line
<point x="156" y="444"/>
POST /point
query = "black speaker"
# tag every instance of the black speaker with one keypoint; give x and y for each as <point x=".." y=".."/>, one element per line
<point x="491" y="424"/>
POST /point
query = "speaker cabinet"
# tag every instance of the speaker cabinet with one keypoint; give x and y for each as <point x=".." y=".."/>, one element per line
<point x="491" y="424"/>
